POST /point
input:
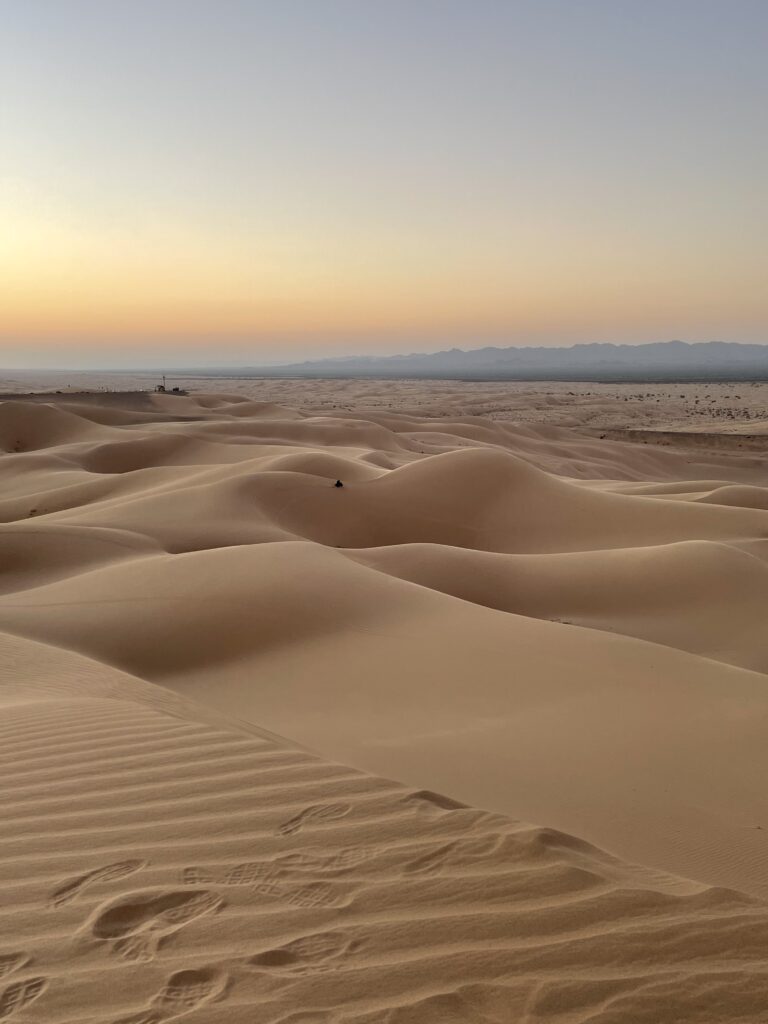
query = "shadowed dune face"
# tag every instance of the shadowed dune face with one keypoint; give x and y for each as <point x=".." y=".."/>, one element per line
<point x="550" y="626"/>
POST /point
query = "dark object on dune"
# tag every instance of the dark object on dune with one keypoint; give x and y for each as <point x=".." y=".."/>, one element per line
<point x="338" y="484"/>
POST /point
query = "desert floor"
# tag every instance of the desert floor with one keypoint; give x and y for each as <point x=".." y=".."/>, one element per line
<point x="705" y="408"/>
<point x="271" y="747"/>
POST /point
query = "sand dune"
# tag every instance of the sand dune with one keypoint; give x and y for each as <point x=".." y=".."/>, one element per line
<point x="547" y="626"/>
<point x="743" y="497"/>
<point x="158" y="862"/>
<point x="699" y="596"/>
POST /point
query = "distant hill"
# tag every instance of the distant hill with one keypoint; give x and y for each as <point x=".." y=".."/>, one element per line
<point x="669" y="360"/>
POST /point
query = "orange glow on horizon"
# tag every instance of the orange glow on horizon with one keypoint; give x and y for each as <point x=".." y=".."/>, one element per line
<point x="62" y="286"/>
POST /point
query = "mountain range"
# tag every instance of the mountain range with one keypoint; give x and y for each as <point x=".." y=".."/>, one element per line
<point x="670" y="360"/>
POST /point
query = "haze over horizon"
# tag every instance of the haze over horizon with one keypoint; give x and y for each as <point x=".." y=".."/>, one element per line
<point x="253" y="183"/>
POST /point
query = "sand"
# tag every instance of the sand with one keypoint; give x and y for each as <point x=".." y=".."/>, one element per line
<point x="520" y="670"/>
<point x="649" y="410"/>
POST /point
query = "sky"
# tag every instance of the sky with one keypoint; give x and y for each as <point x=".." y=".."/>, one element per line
<point x="200" y="182"/>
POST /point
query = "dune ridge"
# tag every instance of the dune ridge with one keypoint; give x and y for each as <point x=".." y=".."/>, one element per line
<point x="486" y="625"/>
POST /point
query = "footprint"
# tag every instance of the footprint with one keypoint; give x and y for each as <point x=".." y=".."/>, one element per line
<point x="241" y="874"/>
<point x="314" y="894"/>
<point x="135" y="925"/>
<point x="307" y="955"/>
<point x="318" y="813"/>
<point x="109" y="873"/>
<point x="187" y="990"/>
<point x="269" y="889"/>
<point x="10" y="962"/>
<point x="248" y="873"/>
<point x="253" y="872"/>
<point x="340" y="861"/>
<point x="197" y="876"/>
<point x="184" y="992"/>
<point x="348" y="858"/>
<point x="20" y="994"/>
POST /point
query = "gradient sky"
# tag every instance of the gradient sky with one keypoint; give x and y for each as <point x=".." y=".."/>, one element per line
<point x="225" y="181"/>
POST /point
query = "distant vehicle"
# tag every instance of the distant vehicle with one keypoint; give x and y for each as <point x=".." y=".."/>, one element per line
<point x="163" y="389"/>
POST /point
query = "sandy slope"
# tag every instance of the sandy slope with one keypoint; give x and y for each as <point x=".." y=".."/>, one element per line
<point x="535" y="622"/>
<point x="158" y="862"/>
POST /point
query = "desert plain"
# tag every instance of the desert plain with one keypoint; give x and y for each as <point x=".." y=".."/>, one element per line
<point x="478" y="735"/>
